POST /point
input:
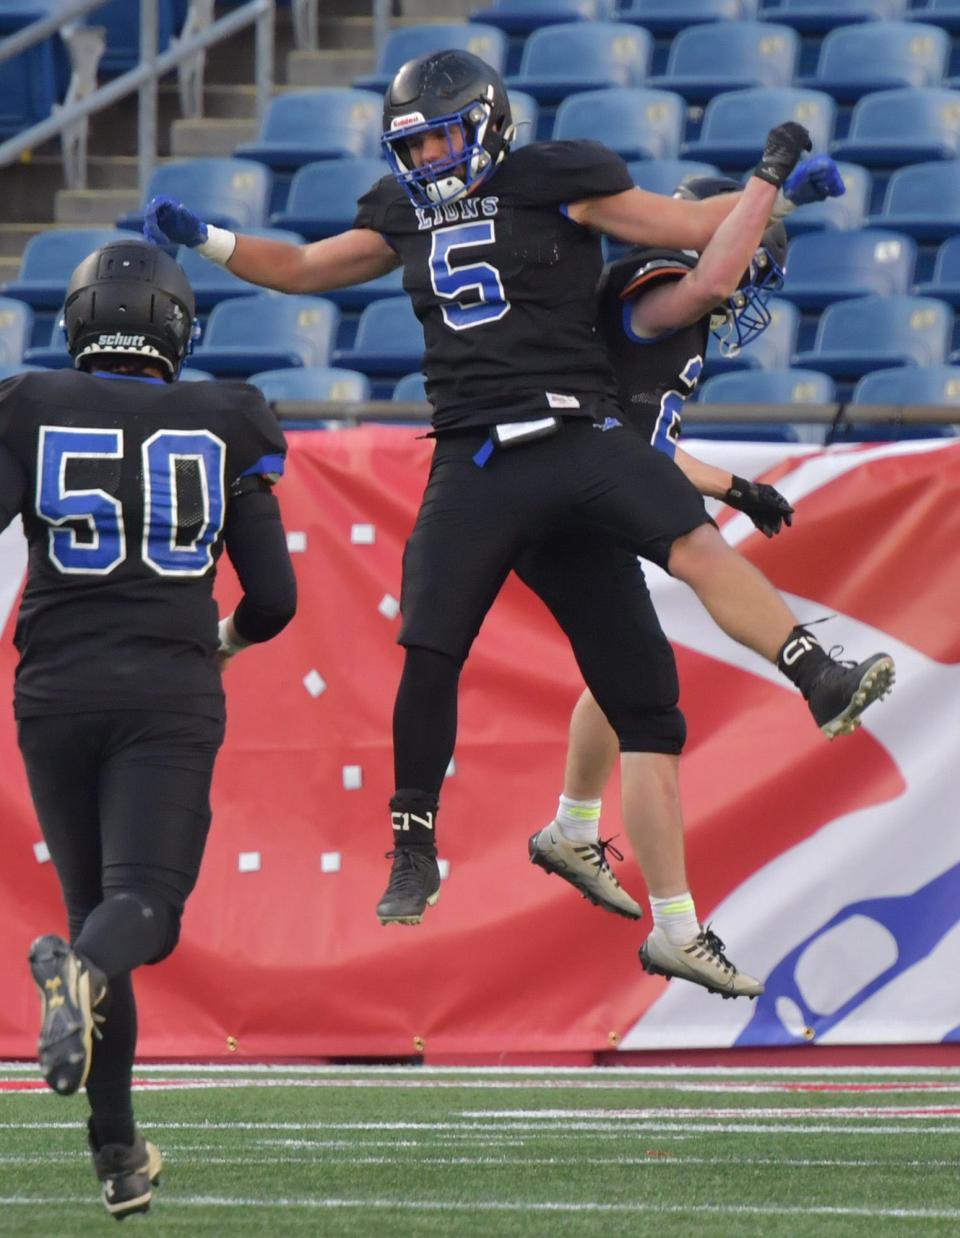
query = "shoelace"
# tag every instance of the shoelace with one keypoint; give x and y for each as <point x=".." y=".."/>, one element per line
<point x="834" y="652"/>
<point x="606" y="844"/>
<point x="402" y="877"/>
<point x="716" y="947"/>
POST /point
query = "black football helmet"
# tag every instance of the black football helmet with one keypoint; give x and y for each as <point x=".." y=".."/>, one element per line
<point x="745" y="315"/>
<point x="129" y="297"/>
<point x="455" y="93"/>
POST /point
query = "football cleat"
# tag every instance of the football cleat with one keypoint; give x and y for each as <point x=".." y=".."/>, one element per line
<point x="700" y="961"/>
<point x="128" y="1172"/>
<point x="845" y="689"/>
<point x="585" y="866"/>
<point x="414" y="885"/>
<point x="70" y="990"/>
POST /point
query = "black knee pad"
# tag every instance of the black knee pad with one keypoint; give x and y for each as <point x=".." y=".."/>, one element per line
<point x="660" y="730"/>
<point x="159" y="907"/>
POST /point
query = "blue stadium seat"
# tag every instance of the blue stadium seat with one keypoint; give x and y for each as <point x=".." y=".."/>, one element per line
<point x="814" y="16"/>
<point x="923" y="200"/>
<point x="933" y="384"/>
<point x="487" y="42"/>
<point x="945" y="281"/>
<point x="213" y="283"/>
<point x="266" y="332"/>
<point x="11" y="371"/>
<point x="410" y="387"/>
<point x="893" y="127"/>
<point x="189" y="375"/>
<point x="525" y="112"/>
<point x="48" y="262"/>
<point x="945" y="13"/>
<point x="662" y="17"/>
<point x="31" y="83"/>
<point x="121" y="20"/>
<point x="16" y="325"/>
<point x="327" y="123"/>
<point x="847" y="211"/>
<point x="558" y="60"/>
<point x="389" y="340"/>
<point x="312" y="383"/>
<point x="637" y="124"/>
<point x="357" y="296"/>
<point x="664" y="175"/>
<point x="770" y="351"/>
<point x="823" y="267"/>
<point x="229" y="193"/>
<point x="871" y="333"/>
<point x="705" y="60"/>
<point x="522" y="16"/>
<point x="855" y="60"/>
<point x="768" y="387"/>
<point x="735" y="124"/>
<point x="53" y="355"/>
<point x="323" y="196"/>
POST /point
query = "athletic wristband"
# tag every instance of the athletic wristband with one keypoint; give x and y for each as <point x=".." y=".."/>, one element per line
<point x="218" y="246"/>
<point x="228" y="644"/>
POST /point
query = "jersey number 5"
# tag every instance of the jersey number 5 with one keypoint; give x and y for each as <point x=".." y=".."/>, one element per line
<point x="474" y="289"/>
<point x="171" y="546"/>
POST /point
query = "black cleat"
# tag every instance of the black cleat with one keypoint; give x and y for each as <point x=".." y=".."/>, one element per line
<point x="128" y="1172"/>
<point x="414" y="885"/>
<point x="845" y="689"/>
<point x="70" y="990"/>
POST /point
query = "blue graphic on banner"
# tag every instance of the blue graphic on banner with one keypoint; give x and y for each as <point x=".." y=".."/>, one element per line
<point x="917" y="922"/>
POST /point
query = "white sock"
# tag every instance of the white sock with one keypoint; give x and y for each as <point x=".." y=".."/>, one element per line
<point x="677" y="916"/>
<point x="578" y="820"/>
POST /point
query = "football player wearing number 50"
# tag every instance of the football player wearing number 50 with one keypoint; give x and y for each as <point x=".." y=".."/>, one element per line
<point x="501" y="255"/>
<point x="130" y="485"/>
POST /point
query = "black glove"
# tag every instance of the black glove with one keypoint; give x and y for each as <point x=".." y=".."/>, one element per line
<point x="784" y="147"/>
<point x="765" y="506"/>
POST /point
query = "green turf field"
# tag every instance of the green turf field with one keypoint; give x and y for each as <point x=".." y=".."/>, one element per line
<point x="408" y="1151"/>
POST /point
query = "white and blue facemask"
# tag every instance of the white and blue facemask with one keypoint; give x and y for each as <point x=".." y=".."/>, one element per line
<point x="746" y="314"/>
<point x="454" y="174"/>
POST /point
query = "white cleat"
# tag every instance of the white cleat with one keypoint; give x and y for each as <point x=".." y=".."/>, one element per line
<point x="700" y="961"/>
<point x="585" y="866"/>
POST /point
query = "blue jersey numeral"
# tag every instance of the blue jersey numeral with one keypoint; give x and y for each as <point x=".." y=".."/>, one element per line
<point x="474" y="289"/>
<point x="100" y="515"/>
<point x="667" y="430"/>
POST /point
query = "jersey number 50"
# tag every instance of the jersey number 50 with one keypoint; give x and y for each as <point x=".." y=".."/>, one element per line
<point x="171" y="547"/>
<point x="474" y="289"/>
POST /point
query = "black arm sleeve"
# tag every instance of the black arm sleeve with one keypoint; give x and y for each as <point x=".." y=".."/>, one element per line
<point x="13" y="487"/>
<point x="257" y="545"/>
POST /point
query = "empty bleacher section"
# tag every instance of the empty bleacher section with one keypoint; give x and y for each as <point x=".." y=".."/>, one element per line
<point x="869" y="309"/>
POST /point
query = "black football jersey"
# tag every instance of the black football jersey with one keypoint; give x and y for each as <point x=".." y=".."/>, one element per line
<point x="504" y="284"/>
<point x="654" y="376"/>
<point x="123" y="484"/>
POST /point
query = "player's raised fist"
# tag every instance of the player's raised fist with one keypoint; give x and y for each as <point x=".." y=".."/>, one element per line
<point x="783" y="149"/>
<point x="167" y="220"/>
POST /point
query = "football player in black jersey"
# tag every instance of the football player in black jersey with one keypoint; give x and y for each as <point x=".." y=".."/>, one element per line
<point x="501" y="255"/>
<point x="130" y="485"/>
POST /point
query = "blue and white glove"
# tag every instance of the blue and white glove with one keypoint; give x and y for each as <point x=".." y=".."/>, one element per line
<point x="167" y="221"/>
<point x="813" y="180"/>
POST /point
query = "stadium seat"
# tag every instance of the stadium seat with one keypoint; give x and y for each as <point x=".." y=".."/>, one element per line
<point x="518" y="17"/>
<point x="229" y="193"/>
<point x="31" y="83"/>
<point x="323" y="196"/>
<point x="945" y="281"/>
<point x="389" y="340"/>
<point x="847" y="211"/>
<point x="407" y="43"/>
<point x="637" y="124"/>
<point x="705" y="60"/>
<point x="121" y="21"/>
<point x="815" y="16"/>
<point x="213" y="283"/>
<point x="189" y="375"/>
<point x="266" y="332"/>
<point x="735" y="124"/>
<point x="411" y="387"/>
<point x="944" y="13"/>
<point x="11" y="371"/>
<point x="855" y="60"/>
<point x="893" y="127"/>
<point x="924" y="201"/>
<point x="48" y="262"/>
<point x="823" y="267"/>
<point x="558" y="60"/>
<point x="326" y="123"/>
<point x="768" y="387"/>
<point x="664" y="175"/>
<point x="525" y="112"/>
<point x="770" y="351"/>
<point x="16" y="325"/>
<point x="662" y="17"/>
<point x="53" y="355"/>
<point x="357" y="296"/>
<point x="312" y="383"/>
<point x="933" y="384"/>
<point x="870" y="333"/>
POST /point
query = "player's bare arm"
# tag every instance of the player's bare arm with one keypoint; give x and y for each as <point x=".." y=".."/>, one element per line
<point x="352" y="257"/>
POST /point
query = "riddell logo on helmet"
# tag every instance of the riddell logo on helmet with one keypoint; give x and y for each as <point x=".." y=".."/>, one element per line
<point x="119" y="340"/>
<point x="404" y="122"/>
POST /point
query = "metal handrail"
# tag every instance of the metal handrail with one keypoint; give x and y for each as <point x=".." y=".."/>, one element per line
<point x="37" y="31"/>
<point x="144" y="77"/>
